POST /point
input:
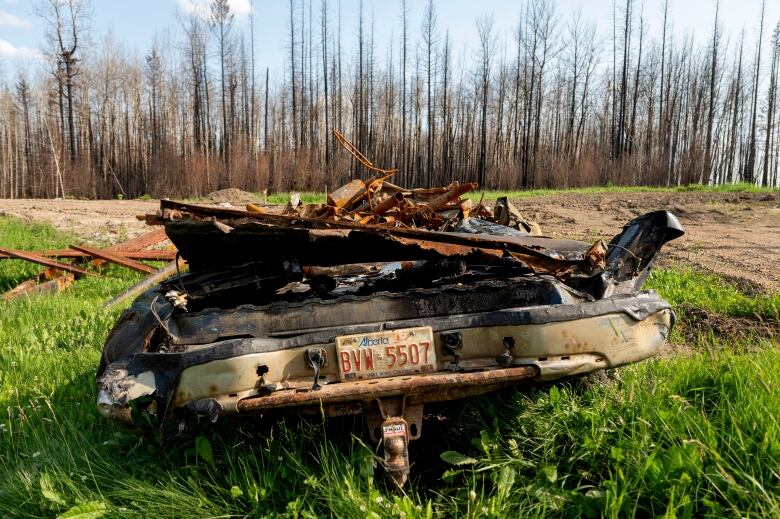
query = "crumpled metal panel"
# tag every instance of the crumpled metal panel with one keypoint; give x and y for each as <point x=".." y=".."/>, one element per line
<point x="204" y="246"/>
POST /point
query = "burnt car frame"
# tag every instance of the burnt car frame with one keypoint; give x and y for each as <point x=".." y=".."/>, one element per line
<point x="311" y="316"/>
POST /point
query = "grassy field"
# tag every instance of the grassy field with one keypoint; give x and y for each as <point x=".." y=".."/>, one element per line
<point x="688" y="434"/>
<point x="742" y="187"/>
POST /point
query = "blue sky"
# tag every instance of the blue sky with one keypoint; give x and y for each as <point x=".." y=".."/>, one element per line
<point x="137" y="22"/>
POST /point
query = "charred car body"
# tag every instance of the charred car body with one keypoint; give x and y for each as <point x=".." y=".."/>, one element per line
<point x="318" y="313"/>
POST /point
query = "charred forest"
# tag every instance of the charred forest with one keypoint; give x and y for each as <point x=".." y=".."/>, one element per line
<point x="553" y="104"/>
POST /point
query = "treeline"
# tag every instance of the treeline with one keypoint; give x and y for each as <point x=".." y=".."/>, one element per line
<point x="552" y="105"/>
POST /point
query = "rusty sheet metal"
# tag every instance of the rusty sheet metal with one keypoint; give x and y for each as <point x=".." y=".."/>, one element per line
<point x="435" y="387"/>
<point x="348" y="194"/>
<point x="51" y="281"/>
<point x="112" y="257"/>
<point x="559" y="257"/>
<point x="534" y="259"/>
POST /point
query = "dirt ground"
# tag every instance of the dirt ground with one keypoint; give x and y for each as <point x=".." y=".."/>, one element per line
<point x="94" y="221"/>
<point x="736" y="235"/>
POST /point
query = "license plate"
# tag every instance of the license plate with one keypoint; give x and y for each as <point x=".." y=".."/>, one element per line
<point x="386" y="354"/>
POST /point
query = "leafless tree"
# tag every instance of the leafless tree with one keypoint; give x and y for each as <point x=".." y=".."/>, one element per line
<point x="531" y="109"/>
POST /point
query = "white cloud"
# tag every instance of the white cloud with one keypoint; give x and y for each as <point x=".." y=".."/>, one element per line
<point x="9" y="50"/>
<point x="11" y="20"/>
<point x="200" y="8"/>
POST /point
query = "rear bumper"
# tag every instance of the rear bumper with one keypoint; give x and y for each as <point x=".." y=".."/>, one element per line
<point x="435" y="387"/>
<point x="251" y="374"/>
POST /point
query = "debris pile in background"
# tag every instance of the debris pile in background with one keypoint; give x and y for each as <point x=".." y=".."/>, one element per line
<point x="379" y="202"/>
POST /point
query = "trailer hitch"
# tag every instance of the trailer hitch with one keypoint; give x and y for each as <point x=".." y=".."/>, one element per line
<point x="394" y="424"/>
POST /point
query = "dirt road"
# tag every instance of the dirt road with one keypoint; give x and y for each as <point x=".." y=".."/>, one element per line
<point x="733" y="234"/>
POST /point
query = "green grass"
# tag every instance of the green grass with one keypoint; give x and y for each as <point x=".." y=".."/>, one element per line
<point x="307" y="197"/>
<point x="674" y="437"/>
<point x="742" y="187"/>
<point x="710" y="292"/>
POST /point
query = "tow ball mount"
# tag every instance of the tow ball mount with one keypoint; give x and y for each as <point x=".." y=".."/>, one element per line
<point x="394" y="424"/>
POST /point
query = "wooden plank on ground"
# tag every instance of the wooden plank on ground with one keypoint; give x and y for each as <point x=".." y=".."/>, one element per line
<point x="114" y="257"/>
<point x="40" y="260"/>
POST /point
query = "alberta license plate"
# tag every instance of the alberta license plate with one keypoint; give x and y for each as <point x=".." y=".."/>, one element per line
<point x="386" y="354"/>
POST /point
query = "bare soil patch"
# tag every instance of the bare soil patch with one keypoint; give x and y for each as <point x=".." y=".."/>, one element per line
<point x="695" y="322"/>
<point x="96" y="221"/>
<point x="736" y="235"/>
<point x="699" y="321"/>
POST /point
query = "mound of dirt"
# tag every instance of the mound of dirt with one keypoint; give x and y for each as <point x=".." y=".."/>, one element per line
<point x="232" y="196"/>
<point x="700" y="321"/>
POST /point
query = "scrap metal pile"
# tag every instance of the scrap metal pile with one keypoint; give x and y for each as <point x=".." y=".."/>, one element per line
<point x="378" y="201"/>
<point x="426" y="225"/>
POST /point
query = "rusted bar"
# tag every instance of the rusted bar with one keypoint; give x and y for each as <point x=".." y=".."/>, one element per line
<point x="40" y="260"/>
<point x="255" y="208"/>
<point x="357" y="155"/>
<point x="353" y="269"/>
<point x="141" y="242"/>
<point x="432" y="385"/>
<point x="388" y="203"/>
<point x="146" y="283"/>
<point x="148" y="255"/>
<point x="388" y="187"/>
<point x="114" y="258"/>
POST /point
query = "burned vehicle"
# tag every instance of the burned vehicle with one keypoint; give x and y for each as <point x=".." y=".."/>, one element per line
<point x="376" y="303"/>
